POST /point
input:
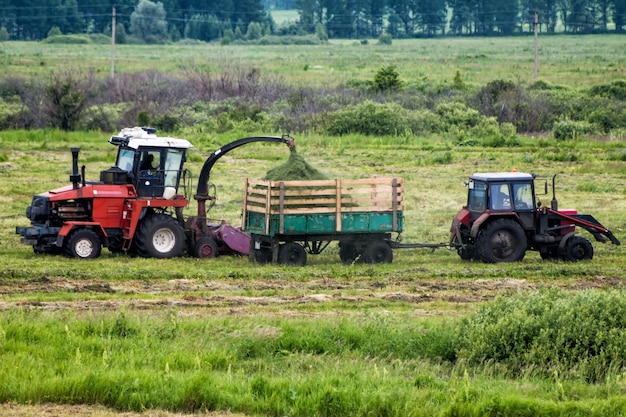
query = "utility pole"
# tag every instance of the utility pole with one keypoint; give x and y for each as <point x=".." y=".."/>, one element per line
<point x="113" y="44"/>
<point x="536" y="44"/>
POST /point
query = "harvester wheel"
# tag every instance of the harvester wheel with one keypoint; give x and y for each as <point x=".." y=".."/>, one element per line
<point x="502" y="240"/>
<point x="159" y="236"/>
<point x="292" y="253"/>
<point x="83" y="244"/>
<point x="348" y="252"/>
<point x="577" y="249"/>
<point x="205" y="247"/>
<point x="378" y="252"/>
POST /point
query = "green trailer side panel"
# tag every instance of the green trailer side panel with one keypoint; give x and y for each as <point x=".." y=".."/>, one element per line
<point x="360" y="222"/>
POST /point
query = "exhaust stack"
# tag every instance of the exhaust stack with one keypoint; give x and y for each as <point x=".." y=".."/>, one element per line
<point x="75" y="176"/>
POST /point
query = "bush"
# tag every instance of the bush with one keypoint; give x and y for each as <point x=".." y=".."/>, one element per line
<point x="387" y="79"/>
<point x="570" y="129"/>
<point x="369" y="118"/>
<point x="458" y="114"/>
<point x="576" y="335"/>
<point x="615" y="90"/>
<point x="68" y="39"/>
<point x="385" y="39"/>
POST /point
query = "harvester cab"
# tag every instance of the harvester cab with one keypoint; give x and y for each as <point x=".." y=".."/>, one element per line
<point x="153" y="164"/>
<point x="503" y="219"/>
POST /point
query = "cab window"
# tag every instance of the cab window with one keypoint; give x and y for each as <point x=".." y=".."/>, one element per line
<point x="523" y="194"/>
<point x="477" y="197"/>
<point x="500" y="197"/>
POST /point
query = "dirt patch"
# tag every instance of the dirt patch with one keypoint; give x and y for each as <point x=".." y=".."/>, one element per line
<point x="285" y="296"/>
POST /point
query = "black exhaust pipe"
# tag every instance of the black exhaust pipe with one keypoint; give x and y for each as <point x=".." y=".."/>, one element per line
<point x="75" y="176"/>
<point x="554" y="205"/>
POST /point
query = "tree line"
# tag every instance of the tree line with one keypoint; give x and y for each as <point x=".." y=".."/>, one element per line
<point x="409" y="18"/>
<point x="207" y="20"/>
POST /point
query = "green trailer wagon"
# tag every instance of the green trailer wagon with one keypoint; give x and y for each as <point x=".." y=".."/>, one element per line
<point x="288" y="219"/>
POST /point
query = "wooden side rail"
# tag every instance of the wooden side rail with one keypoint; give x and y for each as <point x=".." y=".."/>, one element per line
<point x="327" y="196"/>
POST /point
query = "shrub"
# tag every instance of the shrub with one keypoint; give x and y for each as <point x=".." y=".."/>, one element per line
<point x="570" y="129"/>
<point x="387" y="79"/>
<point x="385" y="39"/>
<point x="615" y="90"/>
<point x="104" y="117"/>
<point x="4" y="34"/>
<point x="458" y="114"/>
<point x="580" y="335"/>
<point x="369" y="118"/>
<point x="54" y="31"/>
<point x="67" y="94"/>
<point x="68" y="39"/>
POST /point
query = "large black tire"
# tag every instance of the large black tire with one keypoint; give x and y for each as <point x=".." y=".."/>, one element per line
<point x="83" y="244"/>
<point x="292" y="253"/>
<point x="378" y="252"/>
<point x="205" y="247"/>
<point x="159" y="236"/>
<point x="348" y="253"/>
<point x="577" y="249"/>
<point x="502" y="240"/>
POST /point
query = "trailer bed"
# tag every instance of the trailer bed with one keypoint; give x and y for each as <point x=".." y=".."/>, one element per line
<point x="314" y="213"/>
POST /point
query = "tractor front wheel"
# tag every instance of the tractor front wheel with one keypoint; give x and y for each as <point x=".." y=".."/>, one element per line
<point x="502" y="240"/>
<point x="577" y="249"/>
<point x="83" y="244"/>
<point x="159" y="236"/>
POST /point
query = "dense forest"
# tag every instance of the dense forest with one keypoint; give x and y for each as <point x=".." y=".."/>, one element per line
<point x="207" y="20"/>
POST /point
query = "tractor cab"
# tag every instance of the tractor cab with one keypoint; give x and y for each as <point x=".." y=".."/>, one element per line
<point x="502" y="193"/>
<point x="153" y="164"/>
<point x="502" y="220"/>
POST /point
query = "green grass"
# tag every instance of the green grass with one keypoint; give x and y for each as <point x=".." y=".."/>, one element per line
<point x="573" y="61"/>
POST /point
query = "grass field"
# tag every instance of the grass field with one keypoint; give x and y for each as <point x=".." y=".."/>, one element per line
<point x="186" y="335"/>
<point x="574" y="61"/>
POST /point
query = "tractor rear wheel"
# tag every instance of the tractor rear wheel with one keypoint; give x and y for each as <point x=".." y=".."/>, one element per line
<point x="378" y="252"/>
<point x="502" y="240"/>
<point x="577" y="249"/>
<point x="205" y="247"/>
<point x="159" y="236"/>
<point x="292" y="253"/>
<point x="83" y="244"/>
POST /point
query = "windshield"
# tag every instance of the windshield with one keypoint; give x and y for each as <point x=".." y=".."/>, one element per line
<point x="125" y="159"/>
<point x="477" y="198"/>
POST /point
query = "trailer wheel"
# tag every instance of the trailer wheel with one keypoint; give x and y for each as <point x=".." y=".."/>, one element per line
<point x="83" y="244"/>
<point x="577" y="249"/>
<point x="502" y="240"/>
<point x="348" y="252"/>
<point x="378" y="252"/>
<point x="263" y="255"/>
<point x="205" y="247"/>
<point x="159" y="236"/>
<point x="292" y="253"/>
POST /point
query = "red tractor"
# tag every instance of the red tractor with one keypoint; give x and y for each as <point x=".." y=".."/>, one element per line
<point x="503" y="219"/>
<point x="135" y="207"/>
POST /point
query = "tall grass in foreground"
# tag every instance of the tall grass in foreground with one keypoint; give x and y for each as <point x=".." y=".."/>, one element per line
<point x="319" y="366"/>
